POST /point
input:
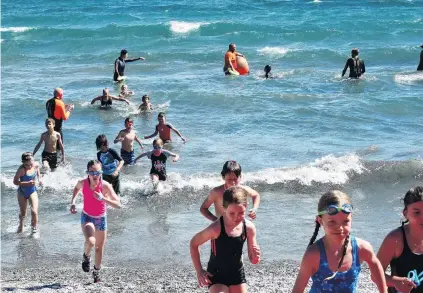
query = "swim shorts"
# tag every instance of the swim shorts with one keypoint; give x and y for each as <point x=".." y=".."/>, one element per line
<point x="100" y="223"/>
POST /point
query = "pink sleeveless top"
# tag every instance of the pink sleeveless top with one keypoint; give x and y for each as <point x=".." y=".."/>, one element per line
<point x="92" y="206"/>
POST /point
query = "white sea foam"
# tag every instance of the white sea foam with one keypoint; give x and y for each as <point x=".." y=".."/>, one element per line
<point x="409" y="78"/>
<point x="182" y="27"/>
<point x="16" y="29"/>
<point x="273" y="51"/>
<point x="328" y="169"/>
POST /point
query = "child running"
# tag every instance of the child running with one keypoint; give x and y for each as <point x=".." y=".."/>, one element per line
<point x="402" y="248"/>
<point x="127" y="137"/>
<point x="111" y="162"/>
<point x="334" y="261"/>
<point x="163" y="129"/>
<point x="97" y="195"/>
<point x="231" y="174"/>
<point x="225" y="270"/>
<point x="125" y="92"/>
<point x="27" y="190"/>
<point x="146" y="105"/>
<point x="158" y="157"/>
<point x="51" y="139"/>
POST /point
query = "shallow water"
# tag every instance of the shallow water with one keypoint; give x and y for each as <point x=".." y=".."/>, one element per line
<point x="295" y="136"/>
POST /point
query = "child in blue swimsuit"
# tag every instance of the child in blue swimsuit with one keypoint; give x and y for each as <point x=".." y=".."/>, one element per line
<point x="27" y="190"/>
<point x="334" y="261"/>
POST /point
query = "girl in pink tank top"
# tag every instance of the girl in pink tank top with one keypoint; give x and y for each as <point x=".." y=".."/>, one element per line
<point x="97" y="194"/>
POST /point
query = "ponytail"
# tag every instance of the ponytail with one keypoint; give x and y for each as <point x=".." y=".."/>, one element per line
<point x="316" y="231"/>
<point x="344" y="252"/>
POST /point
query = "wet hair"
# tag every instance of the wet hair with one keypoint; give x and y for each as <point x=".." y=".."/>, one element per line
<point x="157" y="141"/>
<point x="123" y="52"/>
<point x="145" y="97"/>
<point x="105" y="91"/>
<point x="161" y="114"/>
<point x="231" y="167"/>
<point x="26" y="156"/>
<point x="100" y="141"/>
<point x="355" y="52"/>
<point x="267" y="68"/>
<point x="50" y="120"/>
<point x="236" y="195"/>
<point x="129" y="119"/>
<point x="124" y="86"/>
<point x="332" y="197"/>
<point x="92" y="163"/>
<point x="413" y="195"/>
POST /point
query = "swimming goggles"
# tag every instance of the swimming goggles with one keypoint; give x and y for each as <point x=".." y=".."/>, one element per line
<point x="333" y="210"/>
<point x="156" y="147"/>
<point x="94" y="173"/>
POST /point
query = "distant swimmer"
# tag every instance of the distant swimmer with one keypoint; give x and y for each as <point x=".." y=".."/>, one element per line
<point x="163" y="130"/>
<point x="230" y="60"/>
<point x="420" y="67"/>
<point x="57" y="110"/>
<point x="51" y="139"/>
<point x="356" y="65"/>
<point x="225" y="270"/>
<point x="127" y="137"/>
<point x="146" y="105"/>
<point x="158" y="157"/>
<point x="25" y="178"/>
<point x="119" y="70"/>
<point x="231" y="174"/>
<point x="106" y="99"/>
<point x="125" y="92"/>
<point x="267" y="70"/>
<point x="97" y="196"/>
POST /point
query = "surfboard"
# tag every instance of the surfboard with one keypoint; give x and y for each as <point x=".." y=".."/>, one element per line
<point x="121" y="78"/>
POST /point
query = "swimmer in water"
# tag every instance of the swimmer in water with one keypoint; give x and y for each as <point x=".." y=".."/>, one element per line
<point x="356" y="65"/>
<point x="127" y="137"/>
<point x="106" y="99"/>
<point x="25" y="178"/>
<point x="146" y="105"/>
<point x="125" y="92"/>
<point x="51" y="139"/>
<point x="163" y="129"/>
<point x="267" y="70"/>
<point x="420" y="67"/>
<point x="230" y="65"/>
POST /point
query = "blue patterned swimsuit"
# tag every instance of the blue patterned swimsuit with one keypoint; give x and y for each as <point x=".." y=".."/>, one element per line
<point x="343" y="282"/>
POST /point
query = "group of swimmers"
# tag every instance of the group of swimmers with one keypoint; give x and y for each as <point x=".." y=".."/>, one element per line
<point x="333" y="262"/>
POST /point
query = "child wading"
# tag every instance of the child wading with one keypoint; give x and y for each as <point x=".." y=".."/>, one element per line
<point x="225" y="270"/>
<point x="97" y="195"/>
<point x="334" y="261"/>
<point x="25" y="178"/>
<point x="402" y="248"/>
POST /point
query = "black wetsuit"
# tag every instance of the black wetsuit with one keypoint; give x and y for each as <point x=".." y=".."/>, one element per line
<point x="50" y="107"/>
<point x="225" y="262"/>
<point x="121" y="67"/>
<point x="106" y="103"/>
<point x="353" y="63"/>
<point x="408" y="264"/>
<point x="420" y="67"/>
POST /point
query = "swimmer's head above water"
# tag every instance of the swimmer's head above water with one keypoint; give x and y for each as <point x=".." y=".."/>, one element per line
<point x="145" y="98"/>
<point x="232" y="47"/>
<point x="58" y="93"/>
<point x="355" y="52"/>
<point x="124" y="53"/>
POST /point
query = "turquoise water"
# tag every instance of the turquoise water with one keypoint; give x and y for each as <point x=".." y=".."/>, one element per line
<point x="295" y="136"/>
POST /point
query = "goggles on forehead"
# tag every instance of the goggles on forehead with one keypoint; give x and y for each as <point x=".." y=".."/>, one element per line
<point x="94" y="173"/>
<point x="333" y="210"/>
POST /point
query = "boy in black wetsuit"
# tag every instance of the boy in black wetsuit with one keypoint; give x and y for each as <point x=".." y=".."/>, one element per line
<point x="356" y="65"/>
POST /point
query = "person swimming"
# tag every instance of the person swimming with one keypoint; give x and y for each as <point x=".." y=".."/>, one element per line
<point x="267" y="70"/>
<point x="106" y="99"/>
<point x="420" y="66"/>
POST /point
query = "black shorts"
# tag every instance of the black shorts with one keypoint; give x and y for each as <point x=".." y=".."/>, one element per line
<point x="51" y="159"/>
<point x="162" y="176"/>
<point x="227" y="278"/>
<point x="114" y="181"/>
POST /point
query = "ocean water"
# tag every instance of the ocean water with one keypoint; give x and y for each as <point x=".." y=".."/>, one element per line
<point x="295" y="136"/>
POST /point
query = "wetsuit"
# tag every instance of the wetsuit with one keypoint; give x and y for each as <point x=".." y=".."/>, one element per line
<point x="57" y="111"/>
<point x="28" y="190"/>
<point x="409" y="265"/>
<point x="225" y="262"/>
<point x="420" y="67"/>
<point x="356" y="66"/>
<point x="109" y="162"/>
<point x="121" y="67"/>
<point x="106" y="103"/>
<point x="158" y="164"/>
<point x="343" y="282"/>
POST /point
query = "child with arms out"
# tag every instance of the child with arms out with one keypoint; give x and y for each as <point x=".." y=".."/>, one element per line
<point x="225" y="270"/>
<point x="163" y="130"/>
<point x="125" y="92"/>
<point x="231" y="174"/>
<point x="51" y="140"/>
<point x="334" y="261"/>
<point x="402" y="248"/>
